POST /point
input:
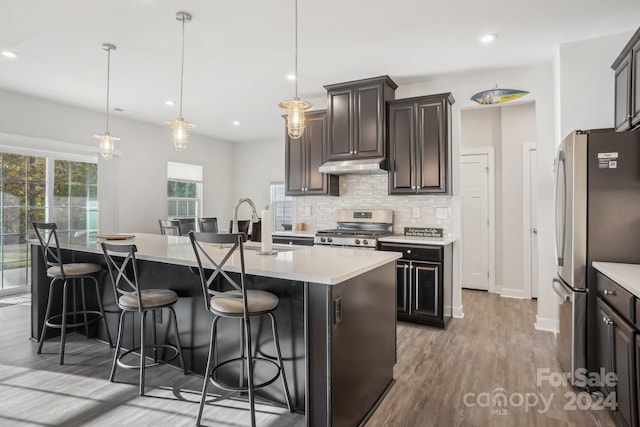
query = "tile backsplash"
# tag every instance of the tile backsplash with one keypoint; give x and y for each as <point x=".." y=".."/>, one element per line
<point x="371" y="192"/>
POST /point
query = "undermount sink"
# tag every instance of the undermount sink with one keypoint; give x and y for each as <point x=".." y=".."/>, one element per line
<point x="256" y="246"/>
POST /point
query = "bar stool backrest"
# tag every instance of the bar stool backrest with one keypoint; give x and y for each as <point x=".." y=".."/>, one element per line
<point x="49" y="245"/>
<point x="209" y="225"/>
<point x="170" y="227"/>
<point x="207" y="264"/>
<point x="121" y="262"/>
<point x="187" y="225"/>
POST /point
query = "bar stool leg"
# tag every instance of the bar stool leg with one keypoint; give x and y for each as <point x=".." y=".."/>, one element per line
<point x="63" y="332"/>
<point x="47" y="313"/>
<point x="207" y="372"/>
<point x="101" y="307"/>
<point x="153" y="332"/>
<point x="252" y="403"/>
<point x="143" y="317"/>
<point x="84" y="308"/>
<point x="118" y="344"/>
<point x="175" y="326"/>
<point x="276" y="341"/>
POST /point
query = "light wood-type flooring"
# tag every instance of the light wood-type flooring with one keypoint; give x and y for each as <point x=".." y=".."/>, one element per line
<point x="443" y="378"/>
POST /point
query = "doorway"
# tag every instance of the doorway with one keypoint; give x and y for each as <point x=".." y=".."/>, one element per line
<point x="478" y="219"/>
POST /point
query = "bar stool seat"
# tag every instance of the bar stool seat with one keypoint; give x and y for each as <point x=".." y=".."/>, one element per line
<point x="257" y="302"/>
<point x="66" y="275"/>
<point x="150" y="298"/>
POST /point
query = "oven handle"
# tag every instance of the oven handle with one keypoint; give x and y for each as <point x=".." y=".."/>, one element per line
<point x="560" y="289"/>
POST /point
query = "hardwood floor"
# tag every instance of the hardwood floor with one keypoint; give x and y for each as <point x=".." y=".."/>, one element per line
<point x="494" y="347"/>
<point x="493" y="351"/>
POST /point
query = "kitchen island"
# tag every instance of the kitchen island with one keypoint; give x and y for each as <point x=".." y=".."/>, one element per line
<point x="336" y="316"/>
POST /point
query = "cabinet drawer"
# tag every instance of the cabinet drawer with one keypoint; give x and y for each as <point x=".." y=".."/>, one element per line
<point x="616" y="296"/>
<point x="415" y="252"/>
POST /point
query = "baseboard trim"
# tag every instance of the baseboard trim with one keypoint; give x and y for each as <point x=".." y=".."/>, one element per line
<point x="513" y="293"/>
<point x="457" y="312"/>
<point x="547" y="325"/>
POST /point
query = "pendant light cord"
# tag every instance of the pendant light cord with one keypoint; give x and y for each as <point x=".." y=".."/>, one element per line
<point x="108" y="78"/>
<point x="296" y="47"/>
<point x="182" y="69"/>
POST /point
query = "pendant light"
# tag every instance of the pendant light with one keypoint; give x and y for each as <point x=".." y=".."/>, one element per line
<point x="106" y="139"/>
<point x="295" y="107"/>
<point x="179" y="127"/>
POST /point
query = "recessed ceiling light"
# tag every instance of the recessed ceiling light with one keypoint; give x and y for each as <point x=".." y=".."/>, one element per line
<point x="488" y="38"/>
<point x="291" y="76"/>
<point x="9" y="54"/>
<point x="170" y="103"/>
<point x="236" y="123"/>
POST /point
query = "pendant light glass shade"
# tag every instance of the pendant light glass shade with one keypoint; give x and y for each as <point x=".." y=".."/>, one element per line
<point x="179" y="133"/>
<point x="295" y="117"/>
<point x="295" y="108"/>
<point x="106" y="139"/>
<point x="179" y="127"/>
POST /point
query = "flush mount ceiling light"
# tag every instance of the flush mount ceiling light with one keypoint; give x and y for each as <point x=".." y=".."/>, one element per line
<point x="169" y="103"/>
<point x="106" y="139"/>
<point x="497" y="95"/>
<point x="295" y="108"/>
<point x="488" y="38"/>
<point x="180" y="126"/>
<point x="290" y="76"/>
<point x="9" y="54"/>
<point x="236" y="123"/>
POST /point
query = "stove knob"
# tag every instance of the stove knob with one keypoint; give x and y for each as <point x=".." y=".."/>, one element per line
<point x="365" y="242"/>
<point x="322" y="239"/>
<point x="329" y="239"/>
<point x="357" y="241"/>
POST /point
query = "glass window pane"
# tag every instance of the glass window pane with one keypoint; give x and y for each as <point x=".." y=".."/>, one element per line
<point x="36" y="194"/>
<point x="92" y="192"/>
<point x="61" y="217"/>
<point x="173" y="208"/>
<point x="11" y="220"/>
<point x="78" y="195"/>
<point x="78" y="172"/>
<point x="61" y="190"/>
<point x="14" y="193"/>
<point x="92" y="173"/>
<point x="37" y="168"/>
<point x="61" y="172"/>
<point x="78" y="219"/>
<point x="14" y="166"/>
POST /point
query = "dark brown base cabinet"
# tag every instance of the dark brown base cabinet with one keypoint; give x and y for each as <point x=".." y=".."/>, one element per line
<point x="618" y="351"/>
<point x="293" y="240"/>
<point x="424" y="283"/>
<point x="303" y="157"/>
<point x="419" y="145"/>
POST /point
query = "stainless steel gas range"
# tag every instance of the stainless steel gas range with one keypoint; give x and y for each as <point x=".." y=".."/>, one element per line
<point x="357" y="228"/>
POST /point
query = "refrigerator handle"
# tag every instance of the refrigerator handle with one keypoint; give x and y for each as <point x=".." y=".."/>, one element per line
<point x="560" y="241"/>
<point x="559" y="289"/>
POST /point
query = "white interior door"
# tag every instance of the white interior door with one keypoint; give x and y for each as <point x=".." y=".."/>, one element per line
<point x="530" y="199"/>
<point x="474" y="191"/>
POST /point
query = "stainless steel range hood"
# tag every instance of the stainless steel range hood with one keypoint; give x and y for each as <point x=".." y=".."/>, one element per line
<point x="375" y="165"/>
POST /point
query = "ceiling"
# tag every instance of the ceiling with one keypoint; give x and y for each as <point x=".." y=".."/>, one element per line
<point x="237" y="53"/>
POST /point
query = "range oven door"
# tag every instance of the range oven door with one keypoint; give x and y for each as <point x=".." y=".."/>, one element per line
<point x="571" y="340"/>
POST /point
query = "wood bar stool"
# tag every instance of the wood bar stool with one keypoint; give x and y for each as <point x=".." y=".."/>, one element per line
<point x="64" y="275"/>
<point x="209" y="225"/>
<point x="131" y="298"/>
<point x="238" y="303"/>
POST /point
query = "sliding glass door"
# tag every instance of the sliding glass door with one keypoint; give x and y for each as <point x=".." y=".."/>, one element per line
<point x="39" y="189"/>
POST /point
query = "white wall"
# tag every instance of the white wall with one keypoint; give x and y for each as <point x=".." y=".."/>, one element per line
<point x="587" y="83"/>
<point x="133" y="185"/>
<point x="256" y="165"/>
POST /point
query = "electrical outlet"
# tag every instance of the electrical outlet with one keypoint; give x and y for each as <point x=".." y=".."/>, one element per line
<point x="307" y="211"/>
<point x="416" y="212"/>
<point x="337" y="310"/>
<point x="442" y="213"/>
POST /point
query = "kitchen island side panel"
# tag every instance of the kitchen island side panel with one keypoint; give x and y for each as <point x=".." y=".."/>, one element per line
<point x="351" y="347"/>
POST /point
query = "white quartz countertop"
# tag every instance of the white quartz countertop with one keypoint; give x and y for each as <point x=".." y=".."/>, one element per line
<point x="626" y="275"/>
<point x="415" y="240"/>
<point x="316" y="264"/>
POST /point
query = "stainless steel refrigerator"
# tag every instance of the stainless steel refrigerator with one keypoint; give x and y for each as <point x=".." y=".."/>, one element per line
<point x="597" y="218"/>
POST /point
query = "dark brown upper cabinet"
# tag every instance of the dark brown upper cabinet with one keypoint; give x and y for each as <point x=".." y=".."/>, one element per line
<point x="356" y="118"/>
<point x="627" y="86"/>
<point x="419" y="145"/>
<point x="303" y="157"/>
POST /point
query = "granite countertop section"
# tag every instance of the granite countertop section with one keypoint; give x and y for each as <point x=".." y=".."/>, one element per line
<point x="310" y="234"/>
<point x="314" y="264"/>
<point x="626" y="275"/>
<point x="416" y="240"/>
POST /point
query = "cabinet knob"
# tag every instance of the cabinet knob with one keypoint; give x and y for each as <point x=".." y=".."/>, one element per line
<point x="413" y="187"/>
<point x="355" y="151"/>
<point x="408" y="251"/>
<point x="607" y="321"/>
<point x="608" y="292"/>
